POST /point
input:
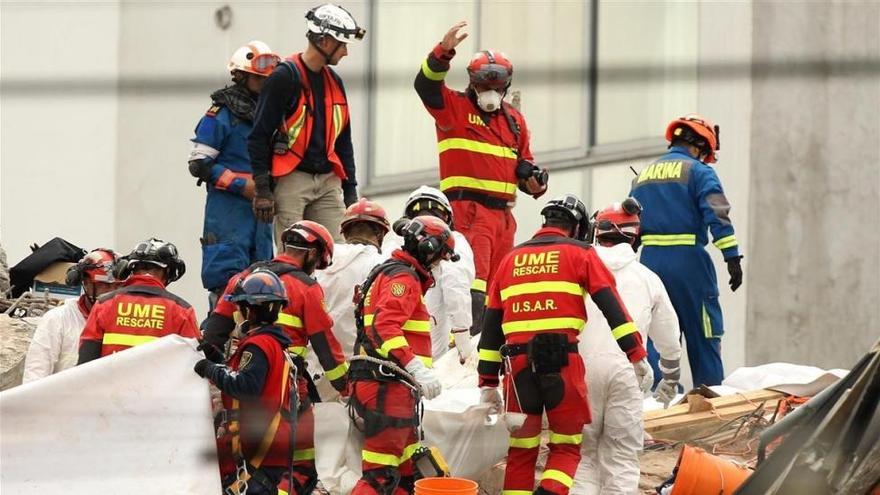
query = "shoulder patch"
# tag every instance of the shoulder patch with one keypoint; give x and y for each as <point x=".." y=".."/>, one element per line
<point x="246" y="358"/>
<point x="212" y="112"/>
<point x="397" y="289"/>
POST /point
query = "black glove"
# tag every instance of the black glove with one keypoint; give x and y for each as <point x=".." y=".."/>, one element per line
<point x="264" y="200"/>
<point x="734" y="268"/>
<point x="349" y="195"/>
<point x="201" y="169"/>
<point x="203" y="368"/>
<point x="212" y="352"/>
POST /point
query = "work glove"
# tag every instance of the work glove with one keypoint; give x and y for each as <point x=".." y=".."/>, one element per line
<point x="463" y="344"/>
<point x="492" y="396"/>
<point x="203" y="368"/>
<point x="668" y="386"/>
<point x="212" y="352"/>
<point x="264" y="200"/>
<point x="201" y="169"/>
<point x="349" y="195"/>
<point x="644" y="374"/>
<point x="734" y="268"/>
<point x="425" y="377"/>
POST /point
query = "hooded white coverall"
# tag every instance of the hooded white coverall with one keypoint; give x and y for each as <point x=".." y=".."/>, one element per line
<point x="449" y="301"/>
<point x="612" y="442"/>
<point x="55" y="346"/>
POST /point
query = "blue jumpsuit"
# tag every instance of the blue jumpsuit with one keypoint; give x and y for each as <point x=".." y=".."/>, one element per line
<point x="233" y="238"/>
<point x="682" y="198"/>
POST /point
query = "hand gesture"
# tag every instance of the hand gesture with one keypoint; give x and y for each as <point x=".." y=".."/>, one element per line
<point x="451" y="39"/>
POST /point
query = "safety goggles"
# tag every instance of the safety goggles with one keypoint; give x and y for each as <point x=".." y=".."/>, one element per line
<point x="264" y="62"/>
<point x="492" y="75"/>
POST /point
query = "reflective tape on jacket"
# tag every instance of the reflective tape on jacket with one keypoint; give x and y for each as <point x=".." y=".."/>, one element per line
<point x="479" y="285"/>
<point x="624" y="330"/>
<point x="491" y="186"/>
<point x="289" y="320"/>
<point x="430" y="74"/>
<point x="304" y="454"/>
<point x="337" y="372"/>
<point x="476" y="147"/>
<point x="299" y="350"/>
<point x="420" y="326"/>
<point x="576" y="324"/>
<point x="489" y="355"/>
<point x="540" y="288"/>
<point x="127" y="339"/>
<point x="669" y="240"/>
<point x="390" y="459"/>
<point x="427" y="361"/>
<point x="726" y="242"/>
<point x="557" y="475"/>
<point x="525" y="443"/>
<point x="391" y="344"/>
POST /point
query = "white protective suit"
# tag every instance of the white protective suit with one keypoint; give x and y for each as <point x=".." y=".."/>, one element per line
<point x="449" y="301"/>
<point x="612" y="442"/>
<point x="55" y="346"/>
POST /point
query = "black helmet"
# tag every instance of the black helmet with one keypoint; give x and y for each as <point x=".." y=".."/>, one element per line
<point x="427" y="238"/>
<point x="156" y="252"/>
<point x="570" y="209"/>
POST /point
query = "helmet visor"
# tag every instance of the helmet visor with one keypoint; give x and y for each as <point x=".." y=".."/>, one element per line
<point x="265" y="62"/>
<point x="491" y="75"/>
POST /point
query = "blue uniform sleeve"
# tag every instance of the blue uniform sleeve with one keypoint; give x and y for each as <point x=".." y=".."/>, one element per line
<point x="715" y="210"/>
<point x="213" y="130"/>
<point x="248" y="381"/>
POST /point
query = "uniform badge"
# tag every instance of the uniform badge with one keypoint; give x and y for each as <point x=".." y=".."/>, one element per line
<point x="397" y="289"/>
<point x="246" y="357"/>
<point x="212" y="112"/>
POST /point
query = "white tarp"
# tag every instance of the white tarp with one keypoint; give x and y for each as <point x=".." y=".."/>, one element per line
<point x="138" y="421"/>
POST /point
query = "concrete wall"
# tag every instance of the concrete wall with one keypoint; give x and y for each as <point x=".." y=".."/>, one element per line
<point x="814" y="266"/>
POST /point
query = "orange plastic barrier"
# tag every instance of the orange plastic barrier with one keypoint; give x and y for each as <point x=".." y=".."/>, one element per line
<point x="446" y="486"/>
<point x="701" y="473"/>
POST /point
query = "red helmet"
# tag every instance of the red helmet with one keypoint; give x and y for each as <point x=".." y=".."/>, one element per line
<point x="490" y="68"/>
<point x="97" y="266"/>
<point x="703" y="129"/>
<point x="365" y="210"/>
<point x="619" y="218"/>
<point x="309" y="232"/>
<point x="428" y="238"/>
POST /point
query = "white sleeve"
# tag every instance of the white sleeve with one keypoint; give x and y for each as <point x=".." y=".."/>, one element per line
<point x="664" y="329"/>
<point x="455" y="280"/>
<point x="44" y="349"/>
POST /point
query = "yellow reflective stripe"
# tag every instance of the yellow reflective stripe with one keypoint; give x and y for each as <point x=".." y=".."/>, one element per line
<point x="669" y="240"/>
<point x="541" y="287"/>
<point x="391" y="344"/>
<point x="299" y="350"/>
<point x="289" y="320"/>
<point x="479" y="285"/>
<point x="390" y="459"/>
<point x="427" y="361"/>
<point x="559" y="438"/>
<point x="516" y="492"/>
<point x="557" y="475"/>
<point x="481" y="184"/>
<point x="127" y="339"/>
<point x="525" y="443"/>
<point x="707" y="324"/>
<point x="296" y="127"/>
<point x="337" y="372"/>
<point x="304" y="455"/>
<point x="489" y="355"/>
<point x="434" y="76"/>
<point x="543" y="324"/>
<point x="417" y="326"/>
<point x="368" y="319"/>
<point x="726" y="242"/>
<point x="337" y="120"/>
<point x="476" y="147"/>
<point x="624" y="330"/>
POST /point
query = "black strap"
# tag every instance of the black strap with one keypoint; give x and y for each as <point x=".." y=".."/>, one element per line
<point x="518" y="349"/>
<point x="486" y="200"/>
<point x="390" y="265"/>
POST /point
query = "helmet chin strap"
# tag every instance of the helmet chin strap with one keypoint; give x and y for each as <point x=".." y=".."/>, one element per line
<point x="327" y="57"/>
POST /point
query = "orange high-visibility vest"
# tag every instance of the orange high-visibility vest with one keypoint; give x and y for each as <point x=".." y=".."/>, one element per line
<point x="298" y="126"/>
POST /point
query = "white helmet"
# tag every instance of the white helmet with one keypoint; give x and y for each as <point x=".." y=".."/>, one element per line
<point x="256" y="58"/>
<point x="335" y="21"/>
<point x="428" y="198"/>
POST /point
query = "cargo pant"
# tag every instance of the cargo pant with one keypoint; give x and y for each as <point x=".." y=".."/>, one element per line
<point x="305" y="196"/>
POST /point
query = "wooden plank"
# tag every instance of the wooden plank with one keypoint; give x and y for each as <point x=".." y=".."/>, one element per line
<point x="756" y="396"/>
<point x="720" y="415"/>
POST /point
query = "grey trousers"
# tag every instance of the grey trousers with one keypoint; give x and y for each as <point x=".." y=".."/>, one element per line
<point x="305" y="196"/>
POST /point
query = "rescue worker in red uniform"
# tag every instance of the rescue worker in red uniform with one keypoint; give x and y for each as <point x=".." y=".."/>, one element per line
<point x="256" y="390"/>
<point x="534" y="315"/>
<point x="484" y="154"/>
<point x="141" y="311"/>
<point x="307" y="246"/>
<point x="394" y="331"/>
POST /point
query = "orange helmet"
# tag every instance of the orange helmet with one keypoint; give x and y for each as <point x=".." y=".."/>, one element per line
<point x="309" y="232"/>
<point x="619" y="218"/>
<point x="365" y="210"/>
<point x="490" y="68"/>
<point x="703" y="133"/>
<point x="96" y="266"/>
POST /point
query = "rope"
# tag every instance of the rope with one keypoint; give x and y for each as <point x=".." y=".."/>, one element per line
<point x="408" y="379"/>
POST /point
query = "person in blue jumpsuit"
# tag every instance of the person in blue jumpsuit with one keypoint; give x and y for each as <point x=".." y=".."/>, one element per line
<point x="683" y="198"/>
<point x="232" y="238"/>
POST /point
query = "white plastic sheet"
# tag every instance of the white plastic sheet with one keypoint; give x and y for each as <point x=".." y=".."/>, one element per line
<point x="138" y="421"/>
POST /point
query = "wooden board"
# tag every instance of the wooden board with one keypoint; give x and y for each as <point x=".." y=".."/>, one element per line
<point x="755" y="396"/>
